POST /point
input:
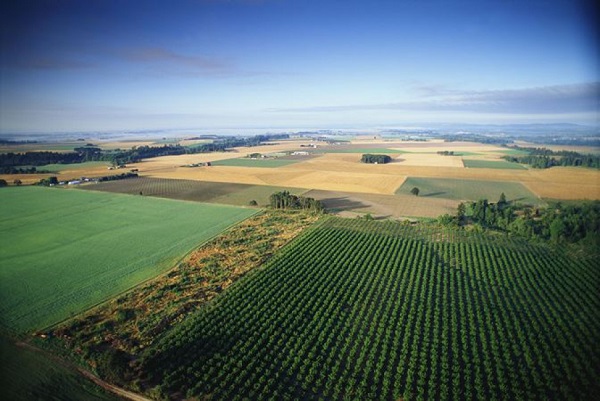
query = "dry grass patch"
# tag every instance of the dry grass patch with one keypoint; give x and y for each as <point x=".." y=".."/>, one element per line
<point x="429" y="160"/>
<point x="383" y="206"/>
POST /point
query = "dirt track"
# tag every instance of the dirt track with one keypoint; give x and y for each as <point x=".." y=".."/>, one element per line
<point x="99" y="382"/>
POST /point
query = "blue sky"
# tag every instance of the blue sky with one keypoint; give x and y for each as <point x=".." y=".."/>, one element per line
<point x="103" y="65"/>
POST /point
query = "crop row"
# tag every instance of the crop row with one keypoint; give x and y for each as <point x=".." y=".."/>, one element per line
<point x="364" y="310"/>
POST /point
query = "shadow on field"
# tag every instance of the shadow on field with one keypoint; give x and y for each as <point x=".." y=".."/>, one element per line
<point x="433" y="194"/>
<point x="342" y="203"/>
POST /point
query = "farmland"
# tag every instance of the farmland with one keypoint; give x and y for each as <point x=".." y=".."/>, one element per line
<point x="247" y="162"/>
<point x="495" y="164"/>
<point x="67" y="250"/>
<point x="139" y="283"/>
<point x="190" y="190"/>
<point x="468" y="189"/>
<point x="378" y="311"/>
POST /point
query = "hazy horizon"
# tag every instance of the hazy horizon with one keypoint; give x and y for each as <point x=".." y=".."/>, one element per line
<point x="107" y="66"/>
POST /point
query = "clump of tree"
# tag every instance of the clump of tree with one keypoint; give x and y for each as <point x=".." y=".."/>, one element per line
<point x="569" y="223"/>
<point x="546" y="158"/>
<point x="286" y="200"/>
<point x="375" y="159"/>
<point x="116" y="177"/>
<point x="446" y="152"/>
<point x="3" y="183"/>
<point x="415" y="191"/>
<point x="46" y="182"/>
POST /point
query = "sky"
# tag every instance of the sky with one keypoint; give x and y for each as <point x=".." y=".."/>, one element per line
<point x="108" y="65"/>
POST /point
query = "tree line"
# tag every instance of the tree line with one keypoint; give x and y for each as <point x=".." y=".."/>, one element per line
<point x="375" y="159"/>
<point x="285" y="200"/>
<point x="119" y="157"/>
<point x="546" y="158"/>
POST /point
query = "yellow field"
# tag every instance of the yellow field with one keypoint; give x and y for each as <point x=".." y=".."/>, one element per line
<point x="428" y="160"/>
<point x="345" y="173"/>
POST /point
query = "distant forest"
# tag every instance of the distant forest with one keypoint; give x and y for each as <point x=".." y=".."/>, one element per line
<point x="13" y="162"/>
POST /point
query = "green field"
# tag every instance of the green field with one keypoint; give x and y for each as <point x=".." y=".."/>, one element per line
<point x="469" y="190"/>
<point x="66" y="250"/>
<point x="191" y="190"/>
<point x="362" y="150"/>
<point x="27" y="375"/>
<point x="248" y="162"/>
<point x="356" y="310"/>
<point x="57" y="168"/>
<point x="499" y="164"/>
<point x="514" y="152"/>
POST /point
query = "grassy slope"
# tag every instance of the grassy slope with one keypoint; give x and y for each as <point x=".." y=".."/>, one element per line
<point x="468" y="189"/>
<point x="57" y="168"/>
<point x="66" y="250"/>
<point x="29" y="375"/>
<point x="500" y="164"/>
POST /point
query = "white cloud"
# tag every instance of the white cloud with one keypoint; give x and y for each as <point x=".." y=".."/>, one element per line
<point x="556" y="99"/>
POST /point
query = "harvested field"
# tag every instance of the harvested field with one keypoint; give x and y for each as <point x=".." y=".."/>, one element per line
<point x="468" y="190"/>
<point x="428" y="160"/>
<point x="190" y="190"/>
<point x="383" y="206"/>
<point x="345" y="173"/>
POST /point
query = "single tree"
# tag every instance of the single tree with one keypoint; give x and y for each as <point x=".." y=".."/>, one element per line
<point x="415" y="191"/>
<point x="502" y="201"/>
<point x="17" y="182"/>
<point x="3" y="183"/>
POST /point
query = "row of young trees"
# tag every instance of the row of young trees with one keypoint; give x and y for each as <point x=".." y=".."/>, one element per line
<point x="375" y="159"/>
<point x="381" y="311"/>
<point x="286" y="200"/>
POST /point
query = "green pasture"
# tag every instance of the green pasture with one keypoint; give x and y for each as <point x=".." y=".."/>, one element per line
<point x="468" y="190"/>
<point x="248" y="162"/>
<point x="495" y="164"/>
<point x="513" y="152"/>
<point x="57" y="168"/>
<point x="65" y="250"/>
